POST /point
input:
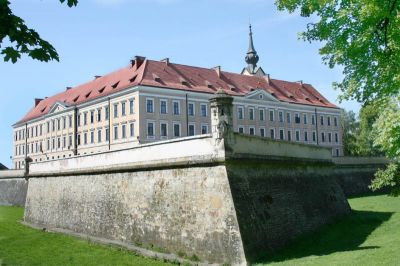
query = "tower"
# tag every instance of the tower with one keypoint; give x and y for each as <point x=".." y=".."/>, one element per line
<point x="252" y="59"/>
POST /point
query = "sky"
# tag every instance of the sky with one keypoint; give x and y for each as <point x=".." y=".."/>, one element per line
<point x="100" y="36"/>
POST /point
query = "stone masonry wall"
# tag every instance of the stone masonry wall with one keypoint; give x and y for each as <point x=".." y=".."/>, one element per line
<point x="181" y="210"/>
<point x="13" y="191"/>
<point x="277" y="201"/>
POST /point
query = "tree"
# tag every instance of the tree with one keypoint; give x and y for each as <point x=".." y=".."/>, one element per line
<point x="21" y="38"/>
<point x="350" y="126"/>
<point x="363" y="36"/>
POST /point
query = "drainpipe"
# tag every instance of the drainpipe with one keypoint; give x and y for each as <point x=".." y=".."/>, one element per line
<point x="75" y="150"/>
<point x="109" y="124"/>
<point x="187" y="116"/>
<point x="26" y="140"/>
<point x="316" y="125"/>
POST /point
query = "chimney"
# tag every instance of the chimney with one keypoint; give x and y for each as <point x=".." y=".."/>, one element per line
<point x="218" y="70"/>
<point x="68" y="88"/>
<point x="137" y="61"/>
<point x="97" y="76"/>
<point x="300" y="82"/>
<point x="268" y="78"/>
<point x="37" y="101"/>
<point x="166" y="61"/>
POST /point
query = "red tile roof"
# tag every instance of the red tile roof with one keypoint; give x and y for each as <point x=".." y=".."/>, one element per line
<point x="180" y="77"/>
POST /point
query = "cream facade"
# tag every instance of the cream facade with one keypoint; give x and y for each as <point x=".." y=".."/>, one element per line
<point x="143" y="114"/>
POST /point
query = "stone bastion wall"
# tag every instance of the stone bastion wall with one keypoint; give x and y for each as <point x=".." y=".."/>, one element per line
<point x="13" y="188"/>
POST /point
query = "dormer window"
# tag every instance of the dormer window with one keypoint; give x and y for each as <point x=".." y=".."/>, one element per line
<point x="76" y="99"/>
<point x="102" y="89"/>
<point x="133" y="78"/>
<point x="115" y="85"/>
<point x="184" y="81"/>
<point x="88" y="94"/>
<point x="156" y="78"/>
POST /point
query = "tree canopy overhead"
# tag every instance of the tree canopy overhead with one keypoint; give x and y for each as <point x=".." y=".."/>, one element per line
<point x="363" y="36"/>
<point x="22" y="39"/>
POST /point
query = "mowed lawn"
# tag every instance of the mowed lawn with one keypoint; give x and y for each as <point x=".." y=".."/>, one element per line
<point x="369" y="236"/>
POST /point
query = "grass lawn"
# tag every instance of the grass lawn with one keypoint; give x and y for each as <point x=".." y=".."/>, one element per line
<point x="21" y="245"/>
<point x="369" y="236"/>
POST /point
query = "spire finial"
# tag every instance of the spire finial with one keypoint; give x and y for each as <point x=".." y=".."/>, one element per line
<point x="251" y="56"/>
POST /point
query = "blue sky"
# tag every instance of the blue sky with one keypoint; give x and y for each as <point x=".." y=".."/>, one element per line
<point x="99" y="36"/>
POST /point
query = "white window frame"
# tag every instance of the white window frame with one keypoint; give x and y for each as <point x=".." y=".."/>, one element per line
<point x="194" y="108"/>
<point x="166" y="106"/>
<point x="206" y="126"/>
<point x="251" y="111"/>
<point x="194" y="129"/>
<point x="166" y="129"/>
<point x="152" y="106"/>
<point x="201" y="109"/>
<point x="254" y="130"/>
<point x="173" y="107"/>
<point x="283" y="133"/>
<point x="173" y="129"/>
<point x="147" y="129"/>
<point x="262" y="135"/>
<point x="261" y="111"/>
<point x="297" y="135"/>
<point x="241" y="117"/>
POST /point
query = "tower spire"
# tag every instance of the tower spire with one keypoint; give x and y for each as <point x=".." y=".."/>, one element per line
<point x="251" y="55"/>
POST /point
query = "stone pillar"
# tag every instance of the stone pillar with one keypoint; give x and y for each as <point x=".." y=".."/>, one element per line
<point x="221" y="116"/>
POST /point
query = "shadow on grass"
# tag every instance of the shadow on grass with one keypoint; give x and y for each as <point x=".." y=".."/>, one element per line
<point x="346" y="234"/>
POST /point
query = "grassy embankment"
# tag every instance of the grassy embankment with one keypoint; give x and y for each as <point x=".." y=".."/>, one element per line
<point x="369" y="236"/>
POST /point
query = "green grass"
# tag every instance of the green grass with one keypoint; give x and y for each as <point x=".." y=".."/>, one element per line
<point x="368" y="236"/>
<point x="21" y="245"/>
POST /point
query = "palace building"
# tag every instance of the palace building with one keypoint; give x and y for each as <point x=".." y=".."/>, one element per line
<point x="156" y="100"/>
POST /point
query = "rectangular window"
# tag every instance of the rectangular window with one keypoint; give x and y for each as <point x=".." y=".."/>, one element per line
<point x="322" y="120"/>
<point x="58" y="124"/>
<point x="132" y="129"/>
<point x="177" y="110"/>
<point x="79" y="119"/>
<point x="204" y="129"/>
<point x="115" y="132"/>
<point x="124" y="131"/>
<point x="150" y="105"/>
<point x="115" y="110"/>
<point x="163" y="130"/>
<point x="85" y="138"/>
<point x="313" y="119"/>
<point x="262" y="132"/>
<point x="48" y="127"/>
<point x="99" y="135"/>
<point x="297" y="118"/>
<point x="281" y="134"/>
<point x="107" y="112"/>
<point x="335" y="121"/>
<point x="271" y="116"/>
<point x="163" y="107"/>
<point x="251" y="114"/>
<point x="48" y="144"/>
<point x="336" y="137"/>
<point x="314" y="136"/>
<point x="91" y="117"/>
<point x="131" y="106"/>
<point x="58" y="142"/>
<point x="329" y="137"/>
<point x="241" y="130"/>
<point x="288" y="117"/>
<point x="261" y="114"/>
<point x="123" y="112"/>
<point x="289" y="135"/>
<point x="64" y="142"/>
<point x="99" y="114"/>
<point x="322" y="136"/>
<point x="305" y="119"/>
<point x="329" y="121"/>
<point x="69" y="141"/>
<point x="305" y="136"/>
<point x="150" y="129"/>
<point x="177" y="130"/>
<point x="272" y="133"/>
<point x="70" y="121"/>
<point x="280" y="114"/>
<point x="240" y="112"/>
<point x="40" y="130"/>
<point x="252" y="131"/>
<point x="85" y="118"/>
<point x="107" y="134"/>
<point x="337" y="152"/>
<point x="92" y="137"/>
<point x="203" y="109"/>
<point x="191" y="130"/>
<point x="297" y="135"/>
<point x="191" y="109"/>
<point x="78" y="140"/>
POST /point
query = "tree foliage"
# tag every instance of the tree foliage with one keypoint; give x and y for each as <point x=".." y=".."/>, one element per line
<point x="21" y="38"/>
<point x="363" y="36"/>
<point x="350" y="126"/>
